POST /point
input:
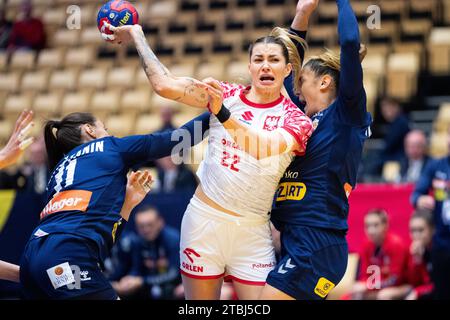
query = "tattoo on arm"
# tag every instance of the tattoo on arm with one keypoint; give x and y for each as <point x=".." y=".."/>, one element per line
<point x="152" y="66"/>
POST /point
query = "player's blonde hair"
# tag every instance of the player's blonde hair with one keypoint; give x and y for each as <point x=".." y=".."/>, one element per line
<point x="294" y="57"/>
<point x="327" y="63"/>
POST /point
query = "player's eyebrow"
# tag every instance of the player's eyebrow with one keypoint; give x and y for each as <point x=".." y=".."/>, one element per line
<point x="270" y="56"/>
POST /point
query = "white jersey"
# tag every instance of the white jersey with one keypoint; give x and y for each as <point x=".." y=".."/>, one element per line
<point x="232" y="178"/>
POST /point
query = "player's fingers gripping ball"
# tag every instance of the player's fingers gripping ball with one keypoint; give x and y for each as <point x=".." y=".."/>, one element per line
<point x="117" y="13"/>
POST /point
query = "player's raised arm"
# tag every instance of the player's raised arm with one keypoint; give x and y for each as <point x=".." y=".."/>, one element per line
<point x="181" y="89"/>
<point x="351" y="75"/>
<point x="291" y="137"/>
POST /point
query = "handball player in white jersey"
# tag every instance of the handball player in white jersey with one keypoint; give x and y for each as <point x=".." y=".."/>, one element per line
<point x="225" y="233"/>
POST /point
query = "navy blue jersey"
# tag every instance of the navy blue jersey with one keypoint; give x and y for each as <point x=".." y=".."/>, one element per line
<point x="87" y="188"/>
<point x="314" y="189"/>
<point x="436" y="178"/>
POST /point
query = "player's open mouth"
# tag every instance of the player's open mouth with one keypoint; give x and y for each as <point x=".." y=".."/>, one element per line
<point x="266" y="79"/>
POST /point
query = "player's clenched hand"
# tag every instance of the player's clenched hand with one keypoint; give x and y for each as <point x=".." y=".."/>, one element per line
<point x="123" y="34"/>
<point x="215" y="94"/>
<point x="426" y="202"/>
<point x="307" y="6"/>
<point x="138" y="185"/>
<point x="19" y="139"/>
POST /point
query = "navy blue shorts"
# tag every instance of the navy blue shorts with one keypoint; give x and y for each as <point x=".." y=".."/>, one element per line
<point x="312" y="262"/>
<point x="53" y="257"/>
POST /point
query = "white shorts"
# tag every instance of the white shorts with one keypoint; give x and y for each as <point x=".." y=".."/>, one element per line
<point x="215" y="245"/>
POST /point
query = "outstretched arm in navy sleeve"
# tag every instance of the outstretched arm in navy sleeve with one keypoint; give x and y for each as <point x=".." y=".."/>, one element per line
<point x="163" y="143"/>
<point x="351" y="92"/>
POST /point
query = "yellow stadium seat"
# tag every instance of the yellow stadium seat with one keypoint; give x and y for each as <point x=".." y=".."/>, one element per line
<point x="439" y="51"/>
<point x="325" y="33"/>
<point x="120" y="125"/>
<point x="389" y="30"/>
<point x="92" y="79"/>
<point x="79" y="57"/>
<point x="147" y="123"/>
<point x="438" y="145"/>
<point x="47" y="105"/>
<point x="50" y="58"/>
<point x="105" y="103"/>
<point x="391" y="171"/>
<point x="54" y="16"/>
<point x="6" y="127"/>
<point x="345" y="285"/>
<point x="183" y="70"/>
<point x="428" y="6"/>
<point x="22" y="59"/>
<point x="442" y="121"/>
<point x="136" y="101"/>
<point x="123" y="77"/>
<point x="66" y="38"/>
<point x="35" y="81"/>
<point x="237" y="71"/>
<point x="14" y="104"/>
<point x="65" y="79"/>
<point x="10" y="81"/>
<point x="91" y="36"/>
<point x="401" y="77"/>
<point x="446" y="4"/>
<point x="416" y="27"/>
<point x="75" y="102"/>
<point x="210" y="69"/>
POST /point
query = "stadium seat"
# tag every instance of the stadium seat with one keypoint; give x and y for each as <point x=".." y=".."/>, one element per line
<point x="6" y="126"/>
<point x="183" y="70"/>
<point x="120" y="125"/>
<point x="442" y="121"/>
<point x="136" y="101"/>
<point x="10" y="82"/>
<point x="424" y="8"/>
<point x="65" y="38"/>
<point x="92" y="79"/>
<point x="75" y="102"/>
<point x="65" y="79"/>
<point x="446" y="7"/>
<point x="322" y="35"/>
<point x="105" y="103"/>
<point x="147" y="123"/>
<point x="439" y="51"/>
<point x="50" y="58"/>
<point x="35" y="81"/>
<point x="54" y="16"/>
<point x="79" y="57"/>
<point x="14" y="104"/>
<point x="401" y="76"/>
<point x="22" y="60"/>
<point x="237" y="71"/>
<point x="416" y="28"/>
<point x="391" y="171"/>
<point x="210" y="69"/>
<point x="123" y="77"/>
<point x="47" y="105"/>
<point x="91" y="37"/>
<point x="438" y="145"/>
<point x="388" y="33"/>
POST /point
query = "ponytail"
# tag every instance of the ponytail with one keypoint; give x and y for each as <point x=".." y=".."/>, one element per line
<point x="62" y="136"/>
<point x="294" y="56"/>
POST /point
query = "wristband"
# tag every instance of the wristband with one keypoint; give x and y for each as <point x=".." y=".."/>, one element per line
<point x="224" y="114"/>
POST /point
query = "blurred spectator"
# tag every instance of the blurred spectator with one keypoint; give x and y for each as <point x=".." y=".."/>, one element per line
<point x="383" y="262"/>
<point x="419" y="266"/>
<point x="412" y="165"/>
<point x="154" y="272"/>
<point x="398" y="127"/>
<point x="172" y="177"/>
<point x="436" y="178"/>
<point x="5" y="27"/>
<point x="167" y="114"/>
<point x="27" y="32"/>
